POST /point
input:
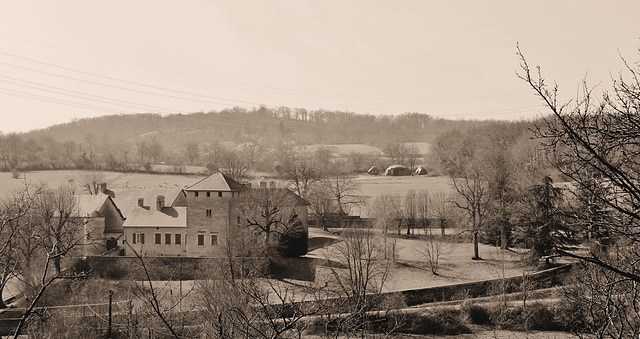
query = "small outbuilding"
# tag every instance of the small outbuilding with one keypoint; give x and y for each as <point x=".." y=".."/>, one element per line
<point x="373" y="170"/>
<point x="420" y="170"/>
<point x="397" y="170"/>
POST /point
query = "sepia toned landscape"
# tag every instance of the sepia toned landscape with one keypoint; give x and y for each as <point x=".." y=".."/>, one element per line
<point x="300" y="169"/>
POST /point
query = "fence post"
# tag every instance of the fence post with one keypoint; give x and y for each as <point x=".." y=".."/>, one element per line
<point x="110" y="299"/>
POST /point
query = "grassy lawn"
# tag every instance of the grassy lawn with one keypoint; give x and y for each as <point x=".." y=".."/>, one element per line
<point x="411" y="269"/>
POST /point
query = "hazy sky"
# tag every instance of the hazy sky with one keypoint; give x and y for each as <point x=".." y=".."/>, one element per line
<point x="61" y="60"/>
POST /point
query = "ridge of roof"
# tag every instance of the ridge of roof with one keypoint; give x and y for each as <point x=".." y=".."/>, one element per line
<point x="216" y="182"/>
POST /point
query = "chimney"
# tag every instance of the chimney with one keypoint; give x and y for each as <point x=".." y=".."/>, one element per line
<point x="160" y="202"/>
<point x="272" y="184"/>
<point x="263" y="184"/>
<point x="103" y="187"/>
<point x="141" y="202"/>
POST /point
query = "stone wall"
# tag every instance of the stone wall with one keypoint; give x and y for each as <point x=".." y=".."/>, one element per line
<point x="168" y="268"/>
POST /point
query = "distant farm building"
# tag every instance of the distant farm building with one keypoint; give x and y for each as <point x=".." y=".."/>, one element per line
<point x="420" y="170"/>
<point x="397" y="170"/>
<point x="373" y="170"/>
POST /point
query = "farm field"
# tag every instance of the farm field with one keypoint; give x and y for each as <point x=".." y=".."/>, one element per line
<point x="373" y="186"/>
<point x="115" y="180"/>
<point x="370" y="186"/>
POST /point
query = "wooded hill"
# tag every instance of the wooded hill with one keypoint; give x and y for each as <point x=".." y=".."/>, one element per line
<point x="85" y="140"/>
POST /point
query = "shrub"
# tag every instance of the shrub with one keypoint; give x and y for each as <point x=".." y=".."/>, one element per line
<point x="539" y="317"/>
<point x="294" y="242"/>
<point x="477" y="314"/>
<point x="441" y="322"/>
<point x="81" y="266"/>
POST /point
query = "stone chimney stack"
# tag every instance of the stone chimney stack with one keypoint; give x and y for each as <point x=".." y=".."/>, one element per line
<point x="141" y="202"/>
<point x="160" y="202"/>
<point x="103" y="188"/>
<point x="272" y="184"/>
<point x="263" y="184"/>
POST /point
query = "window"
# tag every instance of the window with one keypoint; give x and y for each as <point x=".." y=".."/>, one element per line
<point x="208" y="194"/>
<point x="214" y="239"/>
<point x="167" y="239"/>
<point x="178" y="239"/>
<point x="201" y="239"/>
<point x="219" y="194"/>
<point x="138" y="238"/>
<point x="195" y="194"/>
<point x="208" y="213"/>
<point x="158" y="238"/>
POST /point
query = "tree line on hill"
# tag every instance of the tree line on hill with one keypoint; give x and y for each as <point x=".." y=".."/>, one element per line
<point x="138" y="142"/>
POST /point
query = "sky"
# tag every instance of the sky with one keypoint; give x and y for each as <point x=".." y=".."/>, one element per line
<point x="62" y="60"/>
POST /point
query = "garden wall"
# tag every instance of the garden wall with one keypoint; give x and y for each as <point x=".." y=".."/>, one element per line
<point x="168" y="268"/>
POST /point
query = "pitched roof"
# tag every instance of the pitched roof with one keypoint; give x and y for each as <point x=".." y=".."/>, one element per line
<point x="216" y="182"/>
<point x="88" y="204"/>
<point x="126" y="199"/>
<point x="151" y="217"/>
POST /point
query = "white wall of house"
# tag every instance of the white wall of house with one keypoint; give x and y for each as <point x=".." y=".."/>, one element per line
<point x="157" y="241"/>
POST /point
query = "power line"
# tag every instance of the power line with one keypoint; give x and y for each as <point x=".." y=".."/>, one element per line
<point x="112" y="86"/>
<point x="84" y="95"/>
<point x="88" y="97"/>
<point x="59" y="101"/>
<point x="125" y="81"/>
<point x="270" y="89"/>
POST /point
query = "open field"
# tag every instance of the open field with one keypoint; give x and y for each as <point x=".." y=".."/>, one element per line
<point x="372" y="186"/>
<point x="342" y="149"/>
<point x="456" y="266"/>
<point x="115" y="180"/>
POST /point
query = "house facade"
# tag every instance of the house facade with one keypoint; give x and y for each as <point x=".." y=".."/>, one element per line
<point x="101" y="222"/>
<point x="196" y="223"/>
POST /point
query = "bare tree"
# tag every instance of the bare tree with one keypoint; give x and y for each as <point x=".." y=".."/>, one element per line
<point x="441" y="209"/>
<point x="302" y="174"/>
<point x="387" y="211"/>
<point x="155" y="149"/>
<point x="60" y="226"/>
<point x="235" y="164"/>
<point x="91" y="181"/>
<point x="58" y="232"/>
<point x="410" y="210"/>
<point x="267" y="211"/>
<point x="589" y="139"/>
<point x="192" y="151"/>
<point x="459" y="157"/>
<point x="323" y="206"/>
<point x="432" y="249"/>
<point x="14" y="215"/>
<point x="344" y="189"/>
<point x="362" y="253"/>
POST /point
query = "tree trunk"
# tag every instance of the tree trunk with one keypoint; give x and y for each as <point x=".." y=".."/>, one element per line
<point x="476" y="255"/>
<point x="56" y="265"/>
<point x="503" y="237"/>
<point x="2" y="304"/>
<point x="442" y="227"/>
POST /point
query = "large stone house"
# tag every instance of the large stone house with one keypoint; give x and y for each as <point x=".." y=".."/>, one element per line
<point x="194" y="222"/>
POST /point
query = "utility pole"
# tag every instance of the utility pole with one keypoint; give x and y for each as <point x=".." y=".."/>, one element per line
<point x="110" y="300"/>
